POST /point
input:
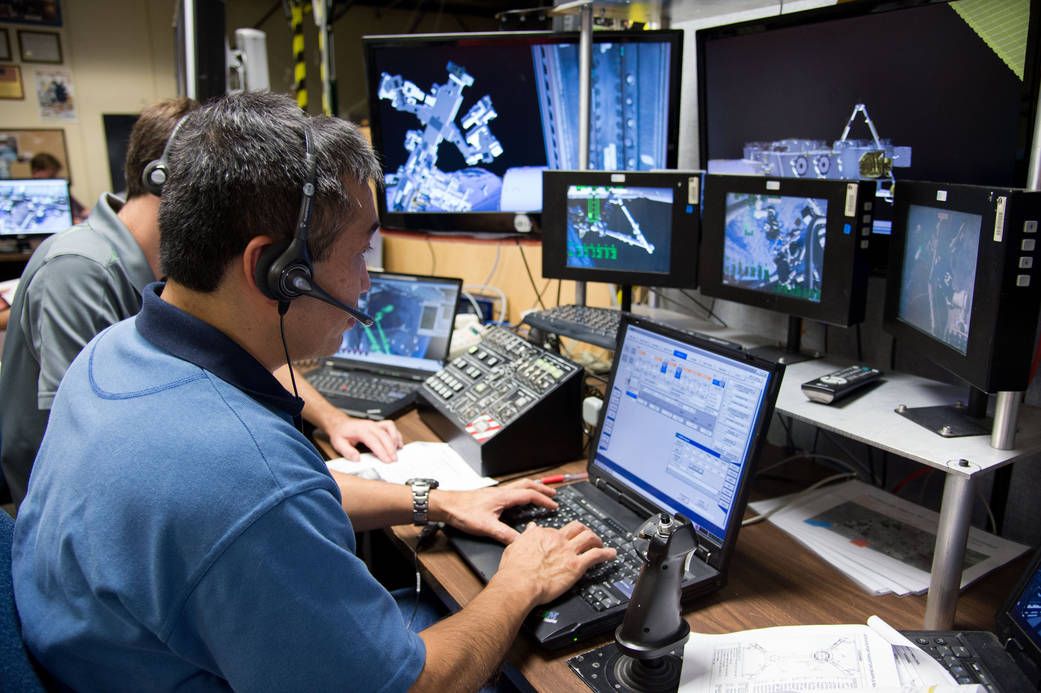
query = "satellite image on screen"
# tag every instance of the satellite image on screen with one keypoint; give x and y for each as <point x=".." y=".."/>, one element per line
<point x="619" y="228"/>
<point x="462" y="135"/>
<point x="775" y="244"/>
<point x="939" y="273"/>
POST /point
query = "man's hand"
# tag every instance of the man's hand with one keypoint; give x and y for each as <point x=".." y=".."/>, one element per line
<point x="477" y="512"/>
<point x="381" y="437"/>
<point x="552" y="559"/>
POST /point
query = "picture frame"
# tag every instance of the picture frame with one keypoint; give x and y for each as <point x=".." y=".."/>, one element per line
<point x="27" y="142"/>
<point x="11" y="86"/>
<point x="40" y="12"/>
<point x="5" y="45"/>
<point x="39" y="46"/>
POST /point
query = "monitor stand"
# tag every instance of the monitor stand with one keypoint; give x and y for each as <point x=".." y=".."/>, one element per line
<point x="791" y="352"/>
<point x="953" y="420"/>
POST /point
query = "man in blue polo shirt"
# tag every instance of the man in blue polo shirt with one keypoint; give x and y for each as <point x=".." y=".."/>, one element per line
<point x="179" y="531"/>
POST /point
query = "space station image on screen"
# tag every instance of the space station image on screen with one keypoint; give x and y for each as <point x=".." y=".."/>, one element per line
<point x="619" y="228"/>
<point x="476" y="138"/>
<point x="939" y="273"/>
<point x="409" y="319"/>
<point x="775" y="244"/>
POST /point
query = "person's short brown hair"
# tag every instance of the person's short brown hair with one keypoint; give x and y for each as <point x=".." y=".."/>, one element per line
<point x="44" y="162"/>
<point x="148" y="138"/>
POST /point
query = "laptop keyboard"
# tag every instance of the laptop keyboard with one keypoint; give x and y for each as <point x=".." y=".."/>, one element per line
<point x="957" y="659"/>
<point x="333" y="383"/>
<point x="604" y="585"/>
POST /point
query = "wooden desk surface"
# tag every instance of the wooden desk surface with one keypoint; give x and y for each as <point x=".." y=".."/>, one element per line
<point x="773" y="581"/>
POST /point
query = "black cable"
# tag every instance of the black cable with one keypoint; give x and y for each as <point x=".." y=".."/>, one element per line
<point x="433" y="257"/>
<point x="860" y="351"/>
<point x="283" y="306"/>
<point x="425" y="537"/>
<point x="531" y="277"/>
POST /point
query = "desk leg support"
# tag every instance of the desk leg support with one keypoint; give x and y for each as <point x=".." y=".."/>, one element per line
<point x="949" y="552"/>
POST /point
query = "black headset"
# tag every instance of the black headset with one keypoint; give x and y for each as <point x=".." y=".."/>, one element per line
<point x="156" y="172"/>
<point x="284" y="270"/>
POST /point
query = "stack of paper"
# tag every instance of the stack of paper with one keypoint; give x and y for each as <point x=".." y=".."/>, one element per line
<point x="433" y="460"/>
<point x="872" y="657"/>
<point x="882" y="542"/>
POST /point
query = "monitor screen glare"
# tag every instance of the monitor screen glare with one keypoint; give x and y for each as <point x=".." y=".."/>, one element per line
<point x="619" y="228"/>
<point x="775" y="244"/>
<point x="34" y="206"/>
<point x="460" y="134"/>
<point x="939" y="273"/>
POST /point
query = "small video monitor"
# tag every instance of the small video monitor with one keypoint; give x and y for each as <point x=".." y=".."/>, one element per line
<point x="34" y="206"/>
<point x="631" y="228"/>
<point x="797" y="246"/>
<point x="961" y="289"/>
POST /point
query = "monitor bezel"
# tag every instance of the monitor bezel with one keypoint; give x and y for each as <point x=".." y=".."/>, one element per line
<point x="844" y="280"/>
<point x="685" y="234"/>
<point x="1000" y="345"/>
<point x="505" y="224"/>
<point x="21" y="235"/>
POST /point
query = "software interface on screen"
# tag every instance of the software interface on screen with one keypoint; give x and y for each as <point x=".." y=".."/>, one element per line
<point x="34" y="206"/>
<point x="619" y="228"/>
<point x="460" y="134"/>
<point x="689" y="417"/>
<point x="775" y="244"/>
<point x="412" y="324"/>
<point x="939" y="273"/>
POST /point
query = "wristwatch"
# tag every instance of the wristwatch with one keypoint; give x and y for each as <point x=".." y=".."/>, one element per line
<point x="421" y="489"/>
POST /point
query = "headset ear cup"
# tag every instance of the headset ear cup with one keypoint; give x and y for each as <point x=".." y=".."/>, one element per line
<point x="154" y="177"/>
<point x="268" y="272"/>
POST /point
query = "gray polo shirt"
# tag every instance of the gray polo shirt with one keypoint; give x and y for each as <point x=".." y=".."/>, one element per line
<point x="76" y="283"/>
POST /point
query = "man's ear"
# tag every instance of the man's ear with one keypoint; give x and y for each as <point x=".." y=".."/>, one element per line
<point x="251" y="259"/>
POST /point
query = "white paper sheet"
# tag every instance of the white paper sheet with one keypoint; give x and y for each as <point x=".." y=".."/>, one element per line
<point x="874" y="533"/>
<point x="435" y="460"/>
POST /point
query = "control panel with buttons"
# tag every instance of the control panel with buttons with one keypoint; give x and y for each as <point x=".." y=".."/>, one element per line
<point x="506" y="405"/>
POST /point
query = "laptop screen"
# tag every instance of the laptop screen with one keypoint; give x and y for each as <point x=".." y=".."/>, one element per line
<point x="679" y="427"/>
<point x="414" y="317"/>
<point x="1026" y="608"/>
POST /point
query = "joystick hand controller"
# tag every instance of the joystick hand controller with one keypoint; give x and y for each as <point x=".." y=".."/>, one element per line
<point x="653" y="624"/>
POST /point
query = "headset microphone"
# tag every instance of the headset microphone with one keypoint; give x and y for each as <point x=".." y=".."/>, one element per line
<point x="304" y="285"/>
<point x="284" y="270"/>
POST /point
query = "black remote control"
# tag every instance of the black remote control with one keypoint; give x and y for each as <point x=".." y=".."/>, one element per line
<point x="834" y="386"/>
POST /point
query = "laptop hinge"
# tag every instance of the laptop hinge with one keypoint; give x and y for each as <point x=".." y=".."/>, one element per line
<point x="1008" y="645"/>
<point x="628" y="501"/>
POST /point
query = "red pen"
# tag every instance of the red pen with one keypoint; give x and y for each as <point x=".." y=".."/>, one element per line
<point x="557" y="478"/>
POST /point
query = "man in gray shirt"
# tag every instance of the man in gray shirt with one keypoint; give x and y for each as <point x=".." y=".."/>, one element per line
<point x="82" y="280"/>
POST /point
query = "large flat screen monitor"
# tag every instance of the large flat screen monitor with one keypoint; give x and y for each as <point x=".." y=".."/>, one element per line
<point x="630" y="228"/>
<point x="467" y="123"/>
<point x="34" y="207"/>
<point x="875" y="91"/>
<point x="793" y="245"/>
<point x="962" y="289"/>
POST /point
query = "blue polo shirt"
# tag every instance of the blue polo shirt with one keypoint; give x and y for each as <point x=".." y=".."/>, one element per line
<point x="180" y="533"/>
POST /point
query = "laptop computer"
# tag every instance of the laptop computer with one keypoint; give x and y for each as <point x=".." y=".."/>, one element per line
<point x="1005" y="661"/>
<point x="377" y="370"/>
<point x="680" y="431"/>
